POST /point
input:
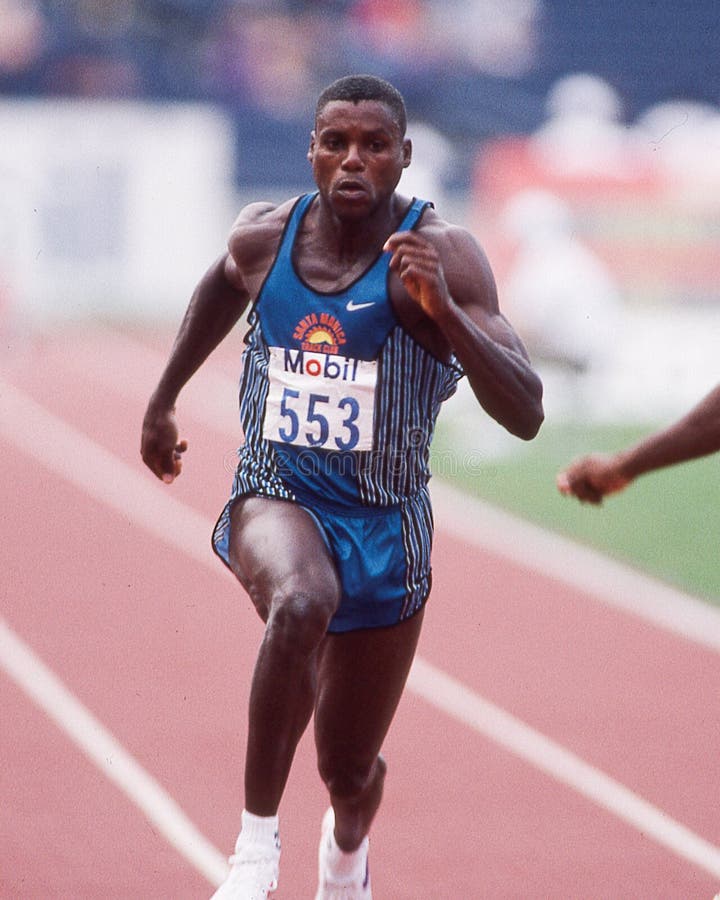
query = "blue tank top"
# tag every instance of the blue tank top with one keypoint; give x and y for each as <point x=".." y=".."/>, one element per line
<point x="337" y="401"/>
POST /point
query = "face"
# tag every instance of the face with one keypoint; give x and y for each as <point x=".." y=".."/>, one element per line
<point x="357" y="155"/>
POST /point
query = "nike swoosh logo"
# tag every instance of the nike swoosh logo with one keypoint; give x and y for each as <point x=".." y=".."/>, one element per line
<point x="352" y="306"/>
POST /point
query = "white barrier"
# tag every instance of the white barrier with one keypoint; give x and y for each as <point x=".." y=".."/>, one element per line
<point x="109" y="208"/>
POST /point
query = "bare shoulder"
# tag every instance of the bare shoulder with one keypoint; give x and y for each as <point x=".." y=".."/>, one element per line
<point x="262" y="212"/>
<point x="466" y="267"/>
<point x="256" y="232"/>
<point x="447" y="236"/>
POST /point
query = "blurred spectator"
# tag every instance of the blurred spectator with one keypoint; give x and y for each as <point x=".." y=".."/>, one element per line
<point x="394" y="39"/>
<point x="258" y="64"/>
<point x="22" y="35"/>
<point x="22" y="42"/>
<point x="391" y="27"/>
<point x="89" y="51"/>
<point x="584" y="134"/>
<point x="566" y="304"/>
<point x="260" y="60"/>
<point x="472" y="70"/>
<point x="497" y="37"/>
<point x="684" y="138"/>
<point x="432" y="154"/>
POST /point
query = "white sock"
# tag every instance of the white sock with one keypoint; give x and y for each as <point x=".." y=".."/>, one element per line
<point x="260" y="829"/>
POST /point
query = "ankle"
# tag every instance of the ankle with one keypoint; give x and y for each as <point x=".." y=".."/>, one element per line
<point x="262" y="830"/>
<point x="344" y="863"/>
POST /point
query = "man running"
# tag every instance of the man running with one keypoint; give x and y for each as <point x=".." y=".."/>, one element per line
<point x="365" y="310"/>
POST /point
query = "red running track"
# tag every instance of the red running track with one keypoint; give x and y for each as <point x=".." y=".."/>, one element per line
<point x="150" y="634"/>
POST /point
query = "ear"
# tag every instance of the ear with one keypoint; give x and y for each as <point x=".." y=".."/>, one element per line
<point x="407" y="152"/>
<point x="311" y="148"/>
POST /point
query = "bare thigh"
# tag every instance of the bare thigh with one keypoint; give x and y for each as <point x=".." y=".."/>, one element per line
<point x="277" y="553"/>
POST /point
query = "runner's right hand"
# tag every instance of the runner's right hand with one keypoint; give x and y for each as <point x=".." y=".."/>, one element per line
<point x="159" y="447"/>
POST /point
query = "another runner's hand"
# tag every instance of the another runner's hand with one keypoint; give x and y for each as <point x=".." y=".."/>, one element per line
<point x="591" y="478"/>
<point x="160" y="448"/>
<point x="417" y="263"/>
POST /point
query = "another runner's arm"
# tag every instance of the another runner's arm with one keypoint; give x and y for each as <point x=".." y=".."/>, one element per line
<point x="445" y="271"/>
<point x="217" y="303"/>
<point x="697" y="434"/>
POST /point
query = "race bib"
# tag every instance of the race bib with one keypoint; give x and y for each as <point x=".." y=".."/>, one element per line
<point x="320" y="400"/>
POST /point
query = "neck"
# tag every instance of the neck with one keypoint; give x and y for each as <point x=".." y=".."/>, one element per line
<point x="348" y="238"/>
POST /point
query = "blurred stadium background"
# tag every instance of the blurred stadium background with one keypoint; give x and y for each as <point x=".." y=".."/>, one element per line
<point x="579" y="141"/>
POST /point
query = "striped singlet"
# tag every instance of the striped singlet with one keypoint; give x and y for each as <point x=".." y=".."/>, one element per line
<point x="338" y="406"/>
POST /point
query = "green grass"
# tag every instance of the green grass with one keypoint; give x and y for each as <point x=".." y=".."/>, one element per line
<point x="667" y="523"/>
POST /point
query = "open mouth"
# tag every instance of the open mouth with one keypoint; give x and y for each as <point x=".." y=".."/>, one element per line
<point x="350" y="187"/>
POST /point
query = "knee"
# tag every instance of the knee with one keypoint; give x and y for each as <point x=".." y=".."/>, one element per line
<point x="347" y="778"/>
<point x="298" y="622"/>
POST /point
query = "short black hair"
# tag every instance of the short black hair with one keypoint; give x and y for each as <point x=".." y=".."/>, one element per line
<point x="355" y="88"/>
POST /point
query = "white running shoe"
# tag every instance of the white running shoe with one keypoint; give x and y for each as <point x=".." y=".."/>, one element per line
<point x="253" y="872"/>
<point x="354" y="884"/>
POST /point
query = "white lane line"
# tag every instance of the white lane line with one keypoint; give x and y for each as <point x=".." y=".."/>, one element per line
<point x="211" y="398"/>
<point x="210" y="394"/>
<point x="455" y="699"/>
<point x="44" y="687"/>
<point x="77" y="459"/>
<point x="611" y="582"/>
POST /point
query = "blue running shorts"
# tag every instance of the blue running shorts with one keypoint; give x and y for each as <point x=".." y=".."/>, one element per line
<point x="382" y="555"/>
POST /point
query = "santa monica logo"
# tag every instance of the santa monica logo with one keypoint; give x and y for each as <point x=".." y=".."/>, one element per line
<point x="321" y="333"/>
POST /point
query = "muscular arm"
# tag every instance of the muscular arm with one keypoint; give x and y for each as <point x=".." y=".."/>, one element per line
<point x="216" y="305"/>
<point x="696" y="434"/>
<point x="444" y="270"/>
